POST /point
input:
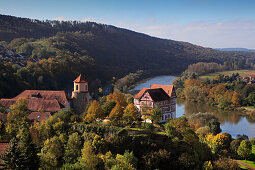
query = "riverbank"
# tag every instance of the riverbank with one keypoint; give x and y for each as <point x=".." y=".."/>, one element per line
<point x="163" y="80"/>
<point x="232" y="121"/>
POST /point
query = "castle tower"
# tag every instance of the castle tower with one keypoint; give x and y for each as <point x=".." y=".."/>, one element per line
<point x="80" y="94"/>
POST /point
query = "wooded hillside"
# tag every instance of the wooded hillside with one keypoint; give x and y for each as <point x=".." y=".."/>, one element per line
<point x="112" y="51"/>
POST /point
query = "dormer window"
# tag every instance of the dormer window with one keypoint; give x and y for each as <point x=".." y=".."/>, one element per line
<point x="38" y="95"/>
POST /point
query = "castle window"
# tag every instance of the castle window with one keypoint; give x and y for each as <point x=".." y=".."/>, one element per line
<point x="76" y="87"/>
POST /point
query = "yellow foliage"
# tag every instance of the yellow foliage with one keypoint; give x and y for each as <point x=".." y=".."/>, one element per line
<point x="192" y="82"/>
<point x="95" y="111"/>
<point x="236" y="99"/>
<point x="118" y="98"/>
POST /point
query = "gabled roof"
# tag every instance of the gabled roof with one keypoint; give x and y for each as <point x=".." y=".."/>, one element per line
<point x="39" y="116"/>
<point x="140" y="93"/>
<point x="158" y="94"/>
<point x="60" y="96"/>
<point x="7" y="102"/>
<point x="80" y="79"/>
<point x="167" y="88"/>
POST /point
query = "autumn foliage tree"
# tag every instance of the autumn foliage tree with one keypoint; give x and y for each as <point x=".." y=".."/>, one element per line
<point x="95" y="111"/>
<point x="131" y="113"/>
<point x="17" y="116"/>
<point x="118" y="98"/>
<point x="218" y="142"/>
<point x="236" y="99"/>
<point x="116" y="113"/>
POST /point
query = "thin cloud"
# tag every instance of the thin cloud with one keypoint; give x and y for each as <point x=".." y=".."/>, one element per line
<point x="235" y="33"/>
<point x="60" y="18"/>
<point x="90" y="19"/>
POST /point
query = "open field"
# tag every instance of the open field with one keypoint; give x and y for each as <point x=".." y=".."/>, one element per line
<point x="243" y="73"/>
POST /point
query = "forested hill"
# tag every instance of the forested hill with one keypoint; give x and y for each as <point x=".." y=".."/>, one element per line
<point x="98" y="51"/>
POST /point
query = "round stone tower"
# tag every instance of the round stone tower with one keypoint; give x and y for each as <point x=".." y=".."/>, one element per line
<point x="80" y="95"/>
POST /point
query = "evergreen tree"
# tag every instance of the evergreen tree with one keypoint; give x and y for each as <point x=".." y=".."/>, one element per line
<point x="214" y="127"/>
<point x="13" y="159"/>
<point x="89" y="159"/>
<point x="28" y="148"/>
<point x="108" y="106"/>
<point x="73" y="148"/>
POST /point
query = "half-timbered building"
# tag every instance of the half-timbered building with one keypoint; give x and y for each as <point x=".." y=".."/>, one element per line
<point x="162" y="96"/>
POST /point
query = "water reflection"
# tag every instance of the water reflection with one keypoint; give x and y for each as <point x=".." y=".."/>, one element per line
<point x="232" y="122"/>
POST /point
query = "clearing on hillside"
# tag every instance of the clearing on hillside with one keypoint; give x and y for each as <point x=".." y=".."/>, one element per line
<point x="242" y="73"/>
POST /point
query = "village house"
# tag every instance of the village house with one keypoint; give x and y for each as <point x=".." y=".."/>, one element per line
<point x="161" y="96"/>
<point x="44" y="103"/>
<point x="248" y="79"/>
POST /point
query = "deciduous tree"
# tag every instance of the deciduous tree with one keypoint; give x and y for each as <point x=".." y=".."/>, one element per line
<point x="17" y="116"/>
<point x="245" y="148"/>
<point x="131" y="113"/>
<point x="95" y="111"/>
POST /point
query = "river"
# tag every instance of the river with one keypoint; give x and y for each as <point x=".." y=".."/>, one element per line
<point x="231" y="121"/>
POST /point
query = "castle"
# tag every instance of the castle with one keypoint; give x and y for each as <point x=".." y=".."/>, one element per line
<point x="44" y="103"/>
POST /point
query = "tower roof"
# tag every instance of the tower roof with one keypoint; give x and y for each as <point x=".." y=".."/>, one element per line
<point x="80" y="79"/>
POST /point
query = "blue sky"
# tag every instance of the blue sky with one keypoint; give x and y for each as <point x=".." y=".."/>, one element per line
<point x="210" y="23"/>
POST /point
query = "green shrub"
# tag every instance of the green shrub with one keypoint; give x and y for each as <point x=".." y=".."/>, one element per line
<point x="252" y="140"/>
<point x="226" y="164"/>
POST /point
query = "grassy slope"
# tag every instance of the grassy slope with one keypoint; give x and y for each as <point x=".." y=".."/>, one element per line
<point x="242" y="73"/>
<point x="250" y="163"/>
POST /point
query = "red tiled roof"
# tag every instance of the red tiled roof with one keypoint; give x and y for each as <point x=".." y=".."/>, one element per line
<point x="60" y="96"/>
<point x="3" y="147"/>
<point x="39" y="116"/>
<point x="35" y="104"/>
<point x="252" y="75"/>
<point x="80" y="79"/>
<point x="7" y="102"/>
<point x="167" y="88"/>
<point x="140" y="93"/>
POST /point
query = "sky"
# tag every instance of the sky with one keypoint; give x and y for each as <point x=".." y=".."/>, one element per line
<point x="209" y="23"/>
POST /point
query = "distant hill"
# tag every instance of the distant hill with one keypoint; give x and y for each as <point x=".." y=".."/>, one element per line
<point x="235" y="49"/>
<point x="96" y="50"/>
